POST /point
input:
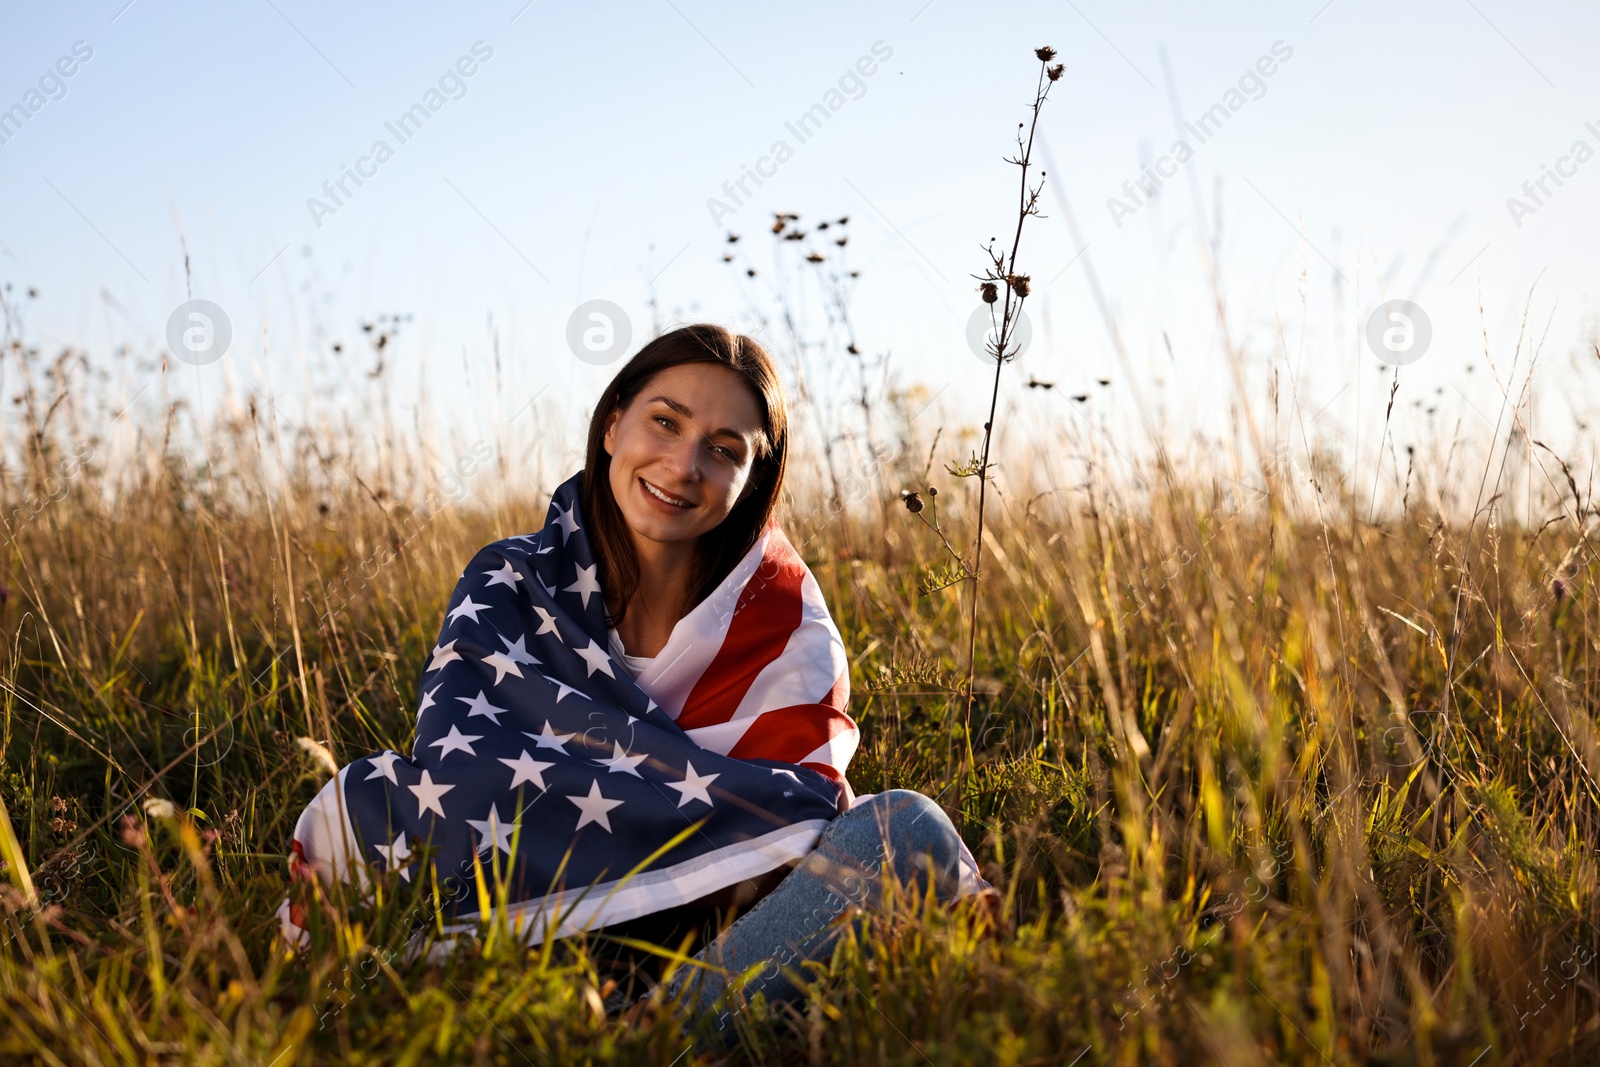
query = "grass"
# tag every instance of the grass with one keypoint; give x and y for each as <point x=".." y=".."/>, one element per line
<point x="1268" y="769"/>
<point x="1236" y="810"/>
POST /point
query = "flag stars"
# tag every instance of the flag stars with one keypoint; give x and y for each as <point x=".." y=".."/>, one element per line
<point x="428" y="793"/>
<point x="442" y="654"/>
<point x="548" y="738"/>
<point x="503" y="665"/>
<point x="595" y="658"/>
<point x="383" y="767"/>
<point x="506" y="576"/>
<point x="621" y="762"/>
<point x="455" y="741"/>
<point x="494" y="833"/>
<point x="517" y="652"/>
<point x="562" y="688"/>
<point x="397" y="856"/>
<point x="547" y="621"/>
<point x="481" y="706"/>
<point x="466" y="607"/>
<point x="512" y="660"/>
<point x="564" y="519"/>
<point x="693" y="786"/>
<point x="527" y="769"/>
<point x="585" y="585"/>
<point x="427" y="696"/>
<point x="595" y="808"/>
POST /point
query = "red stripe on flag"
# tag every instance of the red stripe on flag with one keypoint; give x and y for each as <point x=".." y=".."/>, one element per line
<point x="768" y="612"/>
<point x="790" y="734"/>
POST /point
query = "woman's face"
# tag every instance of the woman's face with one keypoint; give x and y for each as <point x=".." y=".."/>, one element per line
<point x="690" y="435"/>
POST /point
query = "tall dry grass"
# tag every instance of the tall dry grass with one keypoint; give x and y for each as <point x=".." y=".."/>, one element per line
<point x="1266" y="773"/>
<point x="1238" y="812"/>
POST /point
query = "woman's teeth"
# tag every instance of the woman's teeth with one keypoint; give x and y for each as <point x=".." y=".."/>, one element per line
<point x="658" y="494"/>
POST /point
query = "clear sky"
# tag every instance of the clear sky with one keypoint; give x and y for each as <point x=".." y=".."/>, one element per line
<point x="577" y="159"/>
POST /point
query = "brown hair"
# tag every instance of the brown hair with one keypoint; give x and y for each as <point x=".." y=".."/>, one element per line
<point x="720" y="548"/>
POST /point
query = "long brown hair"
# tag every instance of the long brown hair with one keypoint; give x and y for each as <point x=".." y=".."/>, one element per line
<point x="720" y="548"/>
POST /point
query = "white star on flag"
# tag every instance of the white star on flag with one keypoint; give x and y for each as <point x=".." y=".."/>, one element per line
<point x="568" y="524"/>
<point x="594" y="807"/>
<point x="549" y="590"/>
<point x="481" y="706"/>
<point x="517" y="652"/>
<point x="595" y="658"/>
<point x="562" y="688"/>
<point x="442" y="654"/>
<point x="383" y="767"/>
<point x="503" y="665"/>
<point x="454" y="741"/>
<point x="395" y="856"/>
<point x="527" y="769"/>
<point x="428" y="795"/>
<point x="693" y="786"/>
<point x="494" y="832"/>
<point x="586" y="584"/>
<point x="547" y="624"/>
<point x="427" y="696"/>
<point x="621" y="761"/>
<point x="791" y="774"/>
<point x="548" y="738"/>
<point x="506" y="575"/>
<point x="466" y="607"/>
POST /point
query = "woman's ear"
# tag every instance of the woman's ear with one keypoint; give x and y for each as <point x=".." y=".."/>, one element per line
<point x="608" y="441"/>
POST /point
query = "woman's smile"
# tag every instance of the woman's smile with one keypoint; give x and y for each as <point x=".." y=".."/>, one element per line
<point x="664" y="500"/>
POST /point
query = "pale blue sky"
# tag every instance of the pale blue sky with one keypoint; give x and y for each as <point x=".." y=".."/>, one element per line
<point x="598" y="130"/>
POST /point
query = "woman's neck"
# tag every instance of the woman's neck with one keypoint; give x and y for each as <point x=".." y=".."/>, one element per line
<point x="665" y="571"/>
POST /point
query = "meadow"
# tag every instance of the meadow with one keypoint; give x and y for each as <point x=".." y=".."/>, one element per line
<point x="1268" y="768"/>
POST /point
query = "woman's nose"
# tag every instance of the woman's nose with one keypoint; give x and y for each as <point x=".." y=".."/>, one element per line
<point x="685" y="460"/>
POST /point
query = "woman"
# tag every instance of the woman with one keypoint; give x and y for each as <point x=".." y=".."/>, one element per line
<point x="724" y="740"/>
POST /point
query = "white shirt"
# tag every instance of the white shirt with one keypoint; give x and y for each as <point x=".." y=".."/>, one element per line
<point x="634" y="665"/>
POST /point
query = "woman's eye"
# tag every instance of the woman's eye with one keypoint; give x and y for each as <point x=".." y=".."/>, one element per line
<point x="728" y="453"/>
<point x="663" y="420"/>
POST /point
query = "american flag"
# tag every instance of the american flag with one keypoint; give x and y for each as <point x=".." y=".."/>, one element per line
<point x="535" y="751"/>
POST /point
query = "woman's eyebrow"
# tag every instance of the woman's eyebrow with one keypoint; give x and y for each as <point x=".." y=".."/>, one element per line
<point x="686" y="413"/>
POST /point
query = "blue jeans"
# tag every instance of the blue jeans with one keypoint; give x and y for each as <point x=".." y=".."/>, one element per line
<point x="900" y="829"/>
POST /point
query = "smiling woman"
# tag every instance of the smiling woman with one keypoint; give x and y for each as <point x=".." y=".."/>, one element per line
<point x="690" y="475"/>
<point x="687" y="455"/>
<point x="708" y="776"/>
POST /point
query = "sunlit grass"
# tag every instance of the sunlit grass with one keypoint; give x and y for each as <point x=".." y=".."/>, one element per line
<point x="1234" y="813"/>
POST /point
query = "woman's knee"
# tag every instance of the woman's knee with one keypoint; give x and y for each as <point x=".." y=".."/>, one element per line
<point x="916" y="830"/>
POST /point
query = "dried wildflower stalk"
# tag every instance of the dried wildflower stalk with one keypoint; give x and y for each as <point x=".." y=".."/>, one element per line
<point x="936" y="578"/>
<point x="1001" y="276"/>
